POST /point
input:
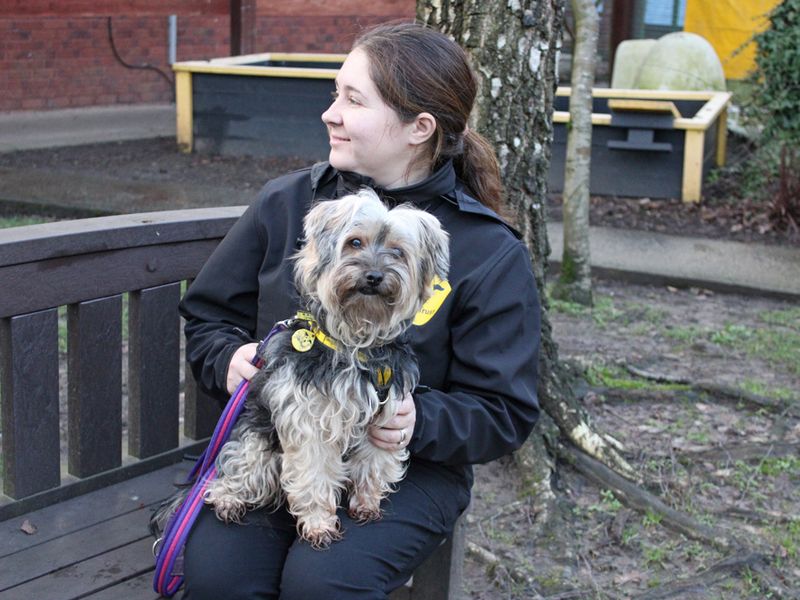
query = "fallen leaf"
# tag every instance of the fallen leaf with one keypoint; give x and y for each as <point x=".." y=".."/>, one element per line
<point x="28" y="527"/>
<point x="633" y="576"/>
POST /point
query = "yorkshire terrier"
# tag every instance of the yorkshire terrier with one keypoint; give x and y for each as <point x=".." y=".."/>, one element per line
<point x="340" y="366"/>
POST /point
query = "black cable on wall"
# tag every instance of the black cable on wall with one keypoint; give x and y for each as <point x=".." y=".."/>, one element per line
<point x="146" y="66"/>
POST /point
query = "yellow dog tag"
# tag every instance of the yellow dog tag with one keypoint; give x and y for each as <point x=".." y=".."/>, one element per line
<point x="302" y="340"/>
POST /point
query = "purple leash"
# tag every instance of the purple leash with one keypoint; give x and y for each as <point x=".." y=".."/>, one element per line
<point x="168" y="576"/>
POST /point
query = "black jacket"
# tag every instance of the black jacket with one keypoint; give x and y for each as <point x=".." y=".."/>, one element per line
<point x="478" y="354"/>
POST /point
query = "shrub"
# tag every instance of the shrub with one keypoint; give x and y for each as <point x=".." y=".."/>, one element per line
<point x="775" y="109"/>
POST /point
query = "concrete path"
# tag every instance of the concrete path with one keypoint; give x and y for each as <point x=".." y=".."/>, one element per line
<point x="678" y="260"/>
<point x="70" y="127"/>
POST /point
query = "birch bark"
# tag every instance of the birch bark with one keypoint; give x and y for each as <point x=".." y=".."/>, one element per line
<point x="514" y="47"/>
<point x="575" y="280"/>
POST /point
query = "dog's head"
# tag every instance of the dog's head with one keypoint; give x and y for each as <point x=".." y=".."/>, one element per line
<point x="369" y="269"/>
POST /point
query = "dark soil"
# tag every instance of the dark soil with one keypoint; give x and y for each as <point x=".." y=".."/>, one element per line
<point x="154" y="159"/>
<point x="717" y="217"/>
<point x="727" y="459"/>
<point x="716" y="457"/>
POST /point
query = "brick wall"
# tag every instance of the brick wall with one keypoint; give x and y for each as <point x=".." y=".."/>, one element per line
<point x="58" y="55"/>
<point x="603" y="64"/>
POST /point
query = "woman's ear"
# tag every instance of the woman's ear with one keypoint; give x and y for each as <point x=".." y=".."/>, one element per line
<point x="423" y="128"/>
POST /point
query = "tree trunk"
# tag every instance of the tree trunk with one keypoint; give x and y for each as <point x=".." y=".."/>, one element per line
<point x="513" y="48"/>
<point x="575" y="280"/>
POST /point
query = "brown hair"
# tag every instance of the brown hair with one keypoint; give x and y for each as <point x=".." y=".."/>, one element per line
<point x="417" y="69"/>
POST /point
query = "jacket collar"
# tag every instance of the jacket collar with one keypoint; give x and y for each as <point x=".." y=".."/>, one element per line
<point x="441" y="182"/>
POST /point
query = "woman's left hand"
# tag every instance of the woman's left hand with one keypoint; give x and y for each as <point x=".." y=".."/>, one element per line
<point x="396" y="432"/>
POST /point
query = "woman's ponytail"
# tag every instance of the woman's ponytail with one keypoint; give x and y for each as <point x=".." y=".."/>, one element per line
<point x="478" y="168"/>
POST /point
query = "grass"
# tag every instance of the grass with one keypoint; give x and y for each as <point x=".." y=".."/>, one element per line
<point x="777" y="342"/>
<point x="615" y="377"/>
<point x="608" y="503"/>
<point x="651" y="518"/>
<point x="788" y="537"/>
<point x="22" y="220"/>
<point x="778" y="465"/>
<point x="787" y="318"/>
<point x="655" y="556"/>
<point x="606" y="311"/>
<point x="759" y="388"/>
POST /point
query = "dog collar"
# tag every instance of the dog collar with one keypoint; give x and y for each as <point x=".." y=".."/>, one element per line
<point x="303" y="339"/>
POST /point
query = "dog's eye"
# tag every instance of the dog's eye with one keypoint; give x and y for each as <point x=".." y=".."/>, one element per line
<point x="398" y="252"/>
<point x="355" y="243"/>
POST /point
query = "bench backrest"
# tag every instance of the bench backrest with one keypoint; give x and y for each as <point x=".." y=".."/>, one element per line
<point x="64" y="290"/>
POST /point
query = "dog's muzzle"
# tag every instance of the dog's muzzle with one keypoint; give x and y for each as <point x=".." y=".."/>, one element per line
<point x="372" y="283"/>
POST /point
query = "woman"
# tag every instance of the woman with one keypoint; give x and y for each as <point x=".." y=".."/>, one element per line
<point x="398" y="122"/>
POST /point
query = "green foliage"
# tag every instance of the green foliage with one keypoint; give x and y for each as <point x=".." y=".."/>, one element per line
<point x="760" y="388"/>
<point x="770" y="176"/>
<point x="776" y="106"/>
<point x="22" y="220"/>
<point x="651" y="518"/>
<point x="777" y="343"/>
<point x="598" y="375"/>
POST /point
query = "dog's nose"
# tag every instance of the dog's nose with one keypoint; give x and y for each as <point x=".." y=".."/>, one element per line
<point x="374" y="278"/>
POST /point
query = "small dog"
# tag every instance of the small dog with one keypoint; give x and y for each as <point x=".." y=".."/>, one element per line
<point x="340" y="366"/>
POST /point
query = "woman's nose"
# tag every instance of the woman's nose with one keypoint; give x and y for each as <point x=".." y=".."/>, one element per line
<point x="331" y="115"/>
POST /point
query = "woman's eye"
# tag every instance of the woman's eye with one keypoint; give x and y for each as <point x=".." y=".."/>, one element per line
<point x="355" y="243"/>
<point x="350" y="99"/>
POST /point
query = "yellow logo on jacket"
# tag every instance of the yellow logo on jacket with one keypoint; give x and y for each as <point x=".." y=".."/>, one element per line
<point x="441" y="289"/>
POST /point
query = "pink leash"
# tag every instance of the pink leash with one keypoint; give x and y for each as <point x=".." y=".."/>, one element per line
<point x="168" y="549"/>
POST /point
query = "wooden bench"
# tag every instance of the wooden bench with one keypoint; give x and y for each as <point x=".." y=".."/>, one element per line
<point x="98" y="411"/>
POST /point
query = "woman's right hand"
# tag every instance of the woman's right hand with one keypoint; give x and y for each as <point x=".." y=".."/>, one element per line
<point x="241" y="366"/>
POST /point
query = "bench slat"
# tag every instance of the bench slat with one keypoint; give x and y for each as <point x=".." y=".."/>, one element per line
<point x="137" y="588"/>
<point x="94" y="372"/>
<point x="28" y="345"/>
<point x="201" y="412"/>
<point x="153" y="370"/>
<point x="88" y="576"/>
<point x="75" y="514"/>
<point x="68" y="550"/>
<point x="74" y="279"/>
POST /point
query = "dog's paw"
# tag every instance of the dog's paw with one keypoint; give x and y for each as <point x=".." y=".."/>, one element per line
<point x="321" y="533"/>
<point x="362" y="511"/>
<point x="362" y="514"/>
<point x="229" y="510"/>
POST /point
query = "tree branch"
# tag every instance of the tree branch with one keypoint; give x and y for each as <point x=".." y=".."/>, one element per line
<point x="729" y="567"/>
<point x="642" y="500"/>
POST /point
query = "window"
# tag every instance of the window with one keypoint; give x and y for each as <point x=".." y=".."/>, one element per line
<point x="654" y="18"/>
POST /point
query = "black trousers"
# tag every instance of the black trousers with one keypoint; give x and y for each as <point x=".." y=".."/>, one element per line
<point x="263" y="559"/>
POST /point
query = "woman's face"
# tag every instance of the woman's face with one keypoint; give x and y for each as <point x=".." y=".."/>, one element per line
<point x="366" y="136"/>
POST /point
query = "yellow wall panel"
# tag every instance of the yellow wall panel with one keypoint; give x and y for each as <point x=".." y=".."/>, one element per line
<point x="729" y="25"/>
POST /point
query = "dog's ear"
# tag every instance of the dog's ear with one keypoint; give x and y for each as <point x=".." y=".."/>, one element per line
<point x="434" y="246"/>
<point x="319" y="219"/>
<point x="317" y="249"/>
<point x="327" y="219"/>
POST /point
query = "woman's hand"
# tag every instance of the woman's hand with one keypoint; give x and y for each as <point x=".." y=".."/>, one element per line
<point x="241" y="366"/>
<point x="396" y="432"/>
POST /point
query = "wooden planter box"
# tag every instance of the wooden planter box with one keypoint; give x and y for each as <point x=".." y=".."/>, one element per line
<point x="259" y="104"/>
<point x="646" y="143"/>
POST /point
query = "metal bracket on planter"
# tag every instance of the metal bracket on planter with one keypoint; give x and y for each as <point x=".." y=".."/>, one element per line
<point x="641" y="118"/>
